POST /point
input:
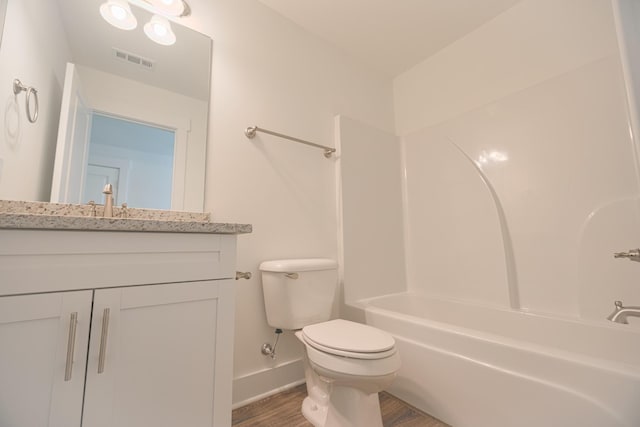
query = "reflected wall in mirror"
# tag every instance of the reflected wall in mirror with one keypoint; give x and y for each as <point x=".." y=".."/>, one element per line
<point x="88" y="72"/>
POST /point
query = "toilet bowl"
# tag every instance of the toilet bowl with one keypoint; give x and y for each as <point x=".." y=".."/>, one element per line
<point x="346" y="363"/>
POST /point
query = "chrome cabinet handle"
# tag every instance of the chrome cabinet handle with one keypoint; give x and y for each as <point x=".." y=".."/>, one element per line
<point x="103" y="340"/>
<point x="71" y="344"/>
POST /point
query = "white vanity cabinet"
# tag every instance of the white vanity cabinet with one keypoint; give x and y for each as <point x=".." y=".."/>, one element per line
<point x="34" y="343"/>
<point x="158" y="353"/>
<point x="106" y="329"/>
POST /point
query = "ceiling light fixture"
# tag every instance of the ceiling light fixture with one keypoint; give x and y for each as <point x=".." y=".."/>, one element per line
<point x="118" y="13"/>
<point x="159" y="30"/>
<point x="170" y="7"/>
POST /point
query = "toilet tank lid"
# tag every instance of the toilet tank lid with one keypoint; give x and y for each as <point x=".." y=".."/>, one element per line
<point x="293" y="265"/>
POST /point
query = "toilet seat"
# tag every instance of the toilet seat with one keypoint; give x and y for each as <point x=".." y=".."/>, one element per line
<point x="349" y="339"/>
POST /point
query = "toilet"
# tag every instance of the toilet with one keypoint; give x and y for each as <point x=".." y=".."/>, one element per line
<point x="346" y="363"/>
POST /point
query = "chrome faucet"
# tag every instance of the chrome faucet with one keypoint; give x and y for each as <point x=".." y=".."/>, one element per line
<point x="108" y="201"/>
<point x="632" y="255"/>
<point x="621" y="313"/>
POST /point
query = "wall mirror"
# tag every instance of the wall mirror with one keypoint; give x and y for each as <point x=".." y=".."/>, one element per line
<point x="115" y="107"/>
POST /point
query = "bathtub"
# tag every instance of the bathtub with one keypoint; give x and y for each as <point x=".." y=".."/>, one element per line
<point x="475" y="366"/>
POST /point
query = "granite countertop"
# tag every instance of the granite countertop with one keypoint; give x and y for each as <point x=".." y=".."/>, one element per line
<point x="56" y="216"/>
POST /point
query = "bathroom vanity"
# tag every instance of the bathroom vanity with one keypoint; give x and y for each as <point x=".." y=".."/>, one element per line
<point x="131" y="325"/>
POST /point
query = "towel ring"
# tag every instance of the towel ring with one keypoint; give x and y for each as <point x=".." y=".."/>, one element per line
<point x="19" y="87"/>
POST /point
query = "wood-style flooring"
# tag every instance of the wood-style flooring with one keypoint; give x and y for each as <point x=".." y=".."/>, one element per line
<point x="283" y="410"/>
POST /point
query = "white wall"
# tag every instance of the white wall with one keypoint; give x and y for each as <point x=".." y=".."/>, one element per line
<point x="519" y="161"/>
<point x="30" y="26"/>
<point x="269" y="72"/>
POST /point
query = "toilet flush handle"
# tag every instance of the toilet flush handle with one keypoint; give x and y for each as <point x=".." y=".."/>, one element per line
<point x="293" y="276"/>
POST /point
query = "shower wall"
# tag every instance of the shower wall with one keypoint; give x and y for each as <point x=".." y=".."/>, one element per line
<point x="521" y="173"/>
<point x="370" y="213"/>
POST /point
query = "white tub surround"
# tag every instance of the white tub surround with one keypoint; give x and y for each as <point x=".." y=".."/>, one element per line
<point x="519" y="181"/>
<point x="478" y="366"/>
<point x="103" y="328"/>
<point x="515" y="139"/>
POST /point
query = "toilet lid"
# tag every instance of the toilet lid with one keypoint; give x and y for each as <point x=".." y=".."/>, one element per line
<point x="343" y="337"/>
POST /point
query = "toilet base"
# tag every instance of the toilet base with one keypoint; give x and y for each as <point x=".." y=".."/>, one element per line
<point x="350" y="407"/>
<point x="314" y="413"/>
<point x="341" y="400"/>
<point x="347" y="407"/>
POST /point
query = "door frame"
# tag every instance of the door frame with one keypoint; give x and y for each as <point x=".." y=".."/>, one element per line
<point x="122" y="192"/>
<point x="180" y="129"/>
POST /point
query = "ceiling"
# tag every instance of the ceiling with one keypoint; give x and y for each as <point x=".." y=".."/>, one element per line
<point x="390" y="35"/>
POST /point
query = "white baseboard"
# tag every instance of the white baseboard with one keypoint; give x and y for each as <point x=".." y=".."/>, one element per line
<point x="258" y="385"/>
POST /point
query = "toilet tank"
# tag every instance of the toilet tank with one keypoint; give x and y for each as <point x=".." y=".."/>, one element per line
<point x="298" y="292"/>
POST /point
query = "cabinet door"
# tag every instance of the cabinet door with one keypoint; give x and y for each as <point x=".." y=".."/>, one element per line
<point x="152" y="357"/>
<point x="42" y="358"/>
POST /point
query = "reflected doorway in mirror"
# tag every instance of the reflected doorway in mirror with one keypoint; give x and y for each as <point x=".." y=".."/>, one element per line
<point x="99" y="176"/>
<point x="137" y="159"/>
<point x="148" y="147"/>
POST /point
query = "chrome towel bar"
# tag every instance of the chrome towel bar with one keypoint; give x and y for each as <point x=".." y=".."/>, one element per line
<point x="250" y="132"/>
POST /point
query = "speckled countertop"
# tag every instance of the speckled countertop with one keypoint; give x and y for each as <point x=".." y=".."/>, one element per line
<point x="56" y="216"/>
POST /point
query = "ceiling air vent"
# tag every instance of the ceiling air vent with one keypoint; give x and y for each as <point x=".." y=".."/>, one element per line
<point x="133" y="59"/>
